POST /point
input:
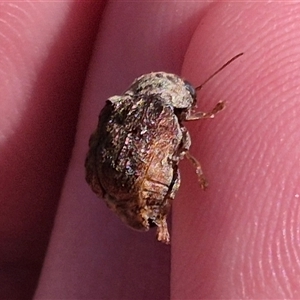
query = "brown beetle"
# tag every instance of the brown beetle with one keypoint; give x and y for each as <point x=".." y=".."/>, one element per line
<point x="135" y="151"/>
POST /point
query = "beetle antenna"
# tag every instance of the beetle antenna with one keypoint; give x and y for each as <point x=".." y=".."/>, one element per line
<point x="213" y="75"/>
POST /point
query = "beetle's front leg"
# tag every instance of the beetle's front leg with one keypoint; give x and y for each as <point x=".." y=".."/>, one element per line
<point x="206" y="115"/>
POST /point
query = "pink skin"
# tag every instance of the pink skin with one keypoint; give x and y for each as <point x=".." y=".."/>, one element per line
<point x="238" y="239"/>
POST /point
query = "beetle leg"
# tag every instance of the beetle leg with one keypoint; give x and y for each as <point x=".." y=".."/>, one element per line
<point x="206" y="115"/>
<point x="162" y="233"/>
<point x="201" y="178"/>
<point x="184" y="152"/>
<point x="185" y="143"/>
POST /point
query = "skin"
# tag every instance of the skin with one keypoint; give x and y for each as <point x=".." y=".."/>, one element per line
<point x="238" y="239"/>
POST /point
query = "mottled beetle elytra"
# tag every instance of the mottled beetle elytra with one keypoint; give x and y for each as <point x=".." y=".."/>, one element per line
<point x="134" y="153"/>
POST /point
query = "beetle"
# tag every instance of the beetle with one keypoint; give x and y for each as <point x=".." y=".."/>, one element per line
<point x="135" y="150"/>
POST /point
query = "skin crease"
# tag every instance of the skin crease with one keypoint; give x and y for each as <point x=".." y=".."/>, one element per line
<point x="239" y="239"/>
